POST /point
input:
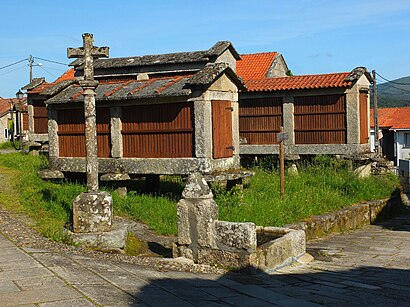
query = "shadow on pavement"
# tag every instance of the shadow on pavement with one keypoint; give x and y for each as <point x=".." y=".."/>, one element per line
<point x="363" y="286"/>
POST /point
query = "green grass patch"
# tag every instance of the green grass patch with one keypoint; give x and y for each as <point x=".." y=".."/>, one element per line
<point x="323" y="185"/>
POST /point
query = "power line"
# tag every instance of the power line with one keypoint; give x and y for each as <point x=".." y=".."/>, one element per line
<point x="48" y="72"/>
<point x="14" y="63"/>
<point x="12" y="70"/>
<point x="394" y="82"/>
<point x="51" y="61"/>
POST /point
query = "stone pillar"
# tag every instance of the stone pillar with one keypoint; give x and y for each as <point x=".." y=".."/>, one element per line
<point x="116" y="136"/>
<point x="235" y="124"/>
<point x="53" y="146"/>
<point x="289" y="118"/>
<point x="30" y="110"/>
<point x="90" y="138"/>
<point x="203" y="128"/>
<point x="353" y="115"/>
<point x="197" y="211"/>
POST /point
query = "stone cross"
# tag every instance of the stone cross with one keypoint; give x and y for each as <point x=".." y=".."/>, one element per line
<point x="88" y="52"/>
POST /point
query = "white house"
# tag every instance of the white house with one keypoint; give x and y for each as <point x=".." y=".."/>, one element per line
<point x="394" y="133"/>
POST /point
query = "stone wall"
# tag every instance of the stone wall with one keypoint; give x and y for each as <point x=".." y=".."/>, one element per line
<point x="404" y="175"/>
<point x="349" y="218"/>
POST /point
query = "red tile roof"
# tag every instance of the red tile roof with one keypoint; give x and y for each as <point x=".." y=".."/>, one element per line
<point x="68" y="75"/>
<point x="392" y="118"/>
<point x="299" y="82"/>
<point x="5" y="104"/>
<point x="254" y="66"/>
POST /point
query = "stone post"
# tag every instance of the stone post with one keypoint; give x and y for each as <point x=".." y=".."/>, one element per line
<point x="197" y="211"/>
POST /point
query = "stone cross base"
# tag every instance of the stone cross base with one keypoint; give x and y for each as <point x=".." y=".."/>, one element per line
<point x="92" y="212"/>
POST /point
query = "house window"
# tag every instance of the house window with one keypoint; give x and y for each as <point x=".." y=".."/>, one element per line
<point x="407" y="139"/>
<point x="6" y="133"/>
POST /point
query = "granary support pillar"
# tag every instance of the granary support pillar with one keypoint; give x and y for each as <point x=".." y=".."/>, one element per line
<point x="116" y="136"/>
<point x="353" y="115"/>
<point x="289" y="118"/>
<point x="203" y="128"/>
<point x="53" y="149"/>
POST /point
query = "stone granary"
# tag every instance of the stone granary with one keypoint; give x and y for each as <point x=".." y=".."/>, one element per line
<point x="37" y="93"/>
<point x="158" y="114"/>
<point x="322" y="114"/>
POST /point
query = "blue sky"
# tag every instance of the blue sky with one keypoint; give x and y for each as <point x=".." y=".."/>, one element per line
<point x="315" y="36"/>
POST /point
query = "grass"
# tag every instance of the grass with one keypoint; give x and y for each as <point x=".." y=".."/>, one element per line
<point x="323" y="185"/>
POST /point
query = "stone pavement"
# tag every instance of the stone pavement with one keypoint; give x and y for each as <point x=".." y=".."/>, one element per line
<point x="370" y="266"/>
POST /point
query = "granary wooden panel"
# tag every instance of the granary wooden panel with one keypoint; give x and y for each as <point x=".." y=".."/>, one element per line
<point x="158" y="131"/>
<point x="260" y="119"/>
<point x="320" y="119"/>
<point x="222" y="142"/>
<point x="25" y="121"/>
<point x="40" y="117"/>
<point x="71" y="132"/>
<point x="364" y="121"/>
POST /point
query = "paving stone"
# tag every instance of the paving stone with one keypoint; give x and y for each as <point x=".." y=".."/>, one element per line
<point x="106" y="295"/>
<point x="19" y="265"/>
<point x="37" y="297"/>
<point x="155" y="296"/>
<point x="25" y="273"/>
<point x="38" y="283"/>
<point x="8" y="286"/>
<point x="69" y="303"/>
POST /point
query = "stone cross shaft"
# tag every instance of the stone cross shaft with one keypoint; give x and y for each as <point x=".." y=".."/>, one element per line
<point x="88" y="52"/>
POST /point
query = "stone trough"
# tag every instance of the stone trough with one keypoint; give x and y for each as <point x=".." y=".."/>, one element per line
<point x="206" y="240"/>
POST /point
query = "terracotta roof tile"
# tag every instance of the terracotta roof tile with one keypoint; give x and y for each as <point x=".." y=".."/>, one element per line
<point x="254" y="66"/>
<point x="299" y="82"/>
<point x="392" y="118"/>
<point x="68" y="75"/>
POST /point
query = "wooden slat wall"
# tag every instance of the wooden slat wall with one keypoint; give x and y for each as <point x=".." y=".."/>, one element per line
<point x="40" y="117"/>
<point x="320" y="119"/>
<point x="222" y="129"/>
<point x="364" y="122"/>
<point x="25" y="121"/>
<point x="158" y="131"/>
<point x="71" y="132"/>
<point x="260" y="119"/>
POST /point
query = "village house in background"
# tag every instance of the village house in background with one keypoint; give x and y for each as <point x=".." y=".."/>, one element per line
<point x="394" y="133"/>
<point x="155" y="114"/>
<point x="13" y="119"/>
<point x="322" y="114"/>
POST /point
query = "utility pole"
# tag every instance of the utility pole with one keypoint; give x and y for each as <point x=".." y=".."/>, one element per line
<point x="31" y="60"/>
<point x="375" y="116"/>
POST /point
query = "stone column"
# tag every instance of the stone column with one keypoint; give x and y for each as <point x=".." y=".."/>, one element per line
<point x="53" y="145"/>
<point x="197" y="211"/>
<point x="203" y="128"/>
<point x="116" y="136"/>
<point x="289" y="118"/>
<point x="352" y="115"/>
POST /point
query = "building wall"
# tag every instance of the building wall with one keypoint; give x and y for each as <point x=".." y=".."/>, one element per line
<point x="402" y="150"/>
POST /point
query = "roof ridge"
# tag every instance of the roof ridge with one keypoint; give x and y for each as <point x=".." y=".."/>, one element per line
<point x="256" y="53"/>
